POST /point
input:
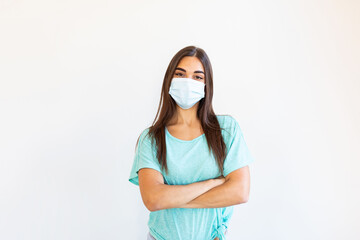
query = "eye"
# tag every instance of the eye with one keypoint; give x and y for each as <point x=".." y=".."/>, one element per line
<point x="198" y="77"/>
<point x="178" y="74"/>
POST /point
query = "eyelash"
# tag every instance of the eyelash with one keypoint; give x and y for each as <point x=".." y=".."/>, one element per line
<point x="181" y="75"/>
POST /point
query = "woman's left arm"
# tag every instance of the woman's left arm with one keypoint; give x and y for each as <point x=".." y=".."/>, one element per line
<point x="234" y="191"/>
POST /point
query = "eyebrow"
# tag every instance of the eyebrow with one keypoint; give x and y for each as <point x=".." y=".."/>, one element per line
<point x="181" y="69"/>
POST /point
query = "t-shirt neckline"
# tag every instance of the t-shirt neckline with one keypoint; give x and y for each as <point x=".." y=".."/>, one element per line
<point x="180" y="140"/>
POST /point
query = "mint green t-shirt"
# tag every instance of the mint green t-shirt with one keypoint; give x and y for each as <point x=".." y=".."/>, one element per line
<point x="188" y="162"/>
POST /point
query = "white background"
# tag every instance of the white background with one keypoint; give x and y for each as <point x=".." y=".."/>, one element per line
<point x="81" y="79"/>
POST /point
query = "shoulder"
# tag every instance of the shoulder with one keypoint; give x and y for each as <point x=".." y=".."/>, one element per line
<point x="227" y="121"/>
<point x="144" y="133"/>
<point x="144" y="136"/>
<point x="229" y="124"/>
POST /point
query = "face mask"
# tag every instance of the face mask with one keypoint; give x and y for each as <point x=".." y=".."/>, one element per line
<point x="186" y="91"/>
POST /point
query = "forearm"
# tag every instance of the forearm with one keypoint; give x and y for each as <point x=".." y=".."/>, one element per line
<point x="224" y="195"/>
<point x="171" y="196"/>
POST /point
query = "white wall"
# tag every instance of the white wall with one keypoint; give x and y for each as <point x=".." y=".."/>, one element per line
<point x="81" y="79"/>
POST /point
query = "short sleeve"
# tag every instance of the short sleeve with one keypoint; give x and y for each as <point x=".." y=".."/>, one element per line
<point x="145" y="157"/>
<point x="238" y="155"/>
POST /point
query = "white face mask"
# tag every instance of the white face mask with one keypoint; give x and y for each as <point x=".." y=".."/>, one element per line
<point x="186" y="91"/>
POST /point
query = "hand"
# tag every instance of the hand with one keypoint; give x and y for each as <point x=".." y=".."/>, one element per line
<point x="219" y="180"/>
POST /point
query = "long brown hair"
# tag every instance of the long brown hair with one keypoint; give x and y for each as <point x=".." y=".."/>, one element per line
<point x="205" y="112"/>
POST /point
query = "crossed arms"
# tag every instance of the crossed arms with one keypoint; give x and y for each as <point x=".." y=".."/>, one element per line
<point x="213" y="193"/>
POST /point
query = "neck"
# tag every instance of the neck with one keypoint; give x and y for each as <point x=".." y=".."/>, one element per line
<point x="186" y="116"/>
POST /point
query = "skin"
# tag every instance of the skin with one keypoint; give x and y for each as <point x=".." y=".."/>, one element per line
<point x="213" y="193"/>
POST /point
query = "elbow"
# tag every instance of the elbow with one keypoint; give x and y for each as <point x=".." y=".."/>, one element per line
<point x="152" y="205"/>
<point x="242" y="198"/>
<point x="153" y="208"/>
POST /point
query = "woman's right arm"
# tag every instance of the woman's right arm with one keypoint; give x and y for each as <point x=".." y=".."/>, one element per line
<point x="157" y="195"/>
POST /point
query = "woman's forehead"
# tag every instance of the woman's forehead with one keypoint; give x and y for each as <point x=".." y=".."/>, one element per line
<point x="190" y="63"/>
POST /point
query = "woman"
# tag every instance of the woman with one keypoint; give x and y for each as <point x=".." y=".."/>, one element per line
<point x="190" y="165"/>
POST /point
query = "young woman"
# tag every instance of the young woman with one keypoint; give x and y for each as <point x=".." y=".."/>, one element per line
<point x="191" y="165"/>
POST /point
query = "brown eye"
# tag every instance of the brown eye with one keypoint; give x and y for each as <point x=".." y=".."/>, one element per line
<point x="178" y="74"/>
<point x="198" y="77"/>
